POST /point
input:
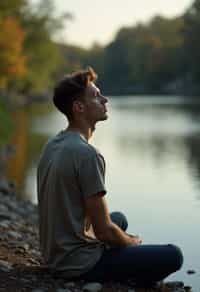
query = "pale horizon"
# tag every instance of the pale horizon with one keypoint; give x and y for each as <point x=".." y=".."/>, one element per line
<point x="99" y="21"/>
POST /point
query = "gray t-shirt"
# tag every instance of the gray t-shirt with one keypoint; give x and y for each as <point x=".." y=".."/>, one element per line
<point x="69" y="170"/>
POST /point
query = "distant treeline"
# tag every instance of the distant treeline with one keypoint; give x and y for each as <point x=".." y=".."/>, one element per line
<point x="161" y="56"/>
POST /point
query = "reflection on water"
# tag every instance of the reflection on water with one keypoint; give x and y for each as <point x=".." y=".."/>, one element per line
<point x="153" y="167"/>
<point x="18" y="163"/>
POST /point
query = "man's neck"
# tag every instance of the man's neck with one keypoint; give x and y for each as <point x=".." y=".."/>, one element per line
<point x="85" y="130"/>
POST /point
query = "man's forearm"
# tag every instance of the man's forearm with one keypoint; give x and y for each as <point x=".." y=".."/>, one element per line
<point x="115" y="236"/>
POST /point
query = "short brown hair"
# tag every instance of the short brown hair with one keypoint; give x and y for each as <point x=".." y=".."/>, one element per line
<point x="71" y="88"/>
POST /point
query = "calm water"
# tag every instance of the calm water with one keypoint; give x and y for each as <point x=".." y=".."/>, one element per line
<point x="152" y="150"/>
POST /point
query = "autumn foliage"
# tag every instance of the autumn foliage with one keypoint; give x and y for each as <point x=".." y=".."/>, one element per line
<point x="12" y="59"/>
<point x="28" y="55"/>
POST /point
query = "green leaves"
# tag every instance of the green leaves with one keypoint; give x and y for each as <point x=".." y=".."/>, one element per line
<point x="192" y="41"/>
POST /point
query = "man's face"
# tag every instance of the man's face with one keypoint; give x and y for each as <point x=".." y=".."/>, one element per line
<point x="95" y="104"/>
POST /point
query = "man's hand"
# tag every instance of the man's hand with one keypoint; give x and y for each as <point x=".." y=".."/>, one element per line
<point x="104" y="229"/>
<point x="135" y="239"/>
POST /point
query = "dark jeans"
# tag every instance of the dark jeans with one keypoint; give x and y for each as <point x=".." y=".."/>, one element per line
<point x="142" y="264"/>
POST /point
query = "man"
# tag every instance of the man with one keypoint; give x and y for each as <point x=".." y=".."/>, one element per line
<point x="78" y="236"/>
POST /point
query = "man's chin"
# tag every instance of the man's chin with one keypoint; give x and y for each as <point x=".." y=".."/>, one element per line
<point x="105" y="117"/>
<point x="102" y="119"/>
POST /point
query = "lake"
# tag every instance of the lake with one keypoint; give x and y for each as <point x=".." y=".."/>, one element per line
<point x="152" y="152"/>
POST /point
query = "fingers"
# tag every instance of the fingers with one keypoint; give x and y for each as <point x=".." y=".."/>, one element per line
<point x="136" y="239"/>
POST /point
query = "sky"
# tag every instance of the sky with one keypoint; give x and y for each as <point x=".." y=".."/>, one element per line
<point x="99" y="20"/>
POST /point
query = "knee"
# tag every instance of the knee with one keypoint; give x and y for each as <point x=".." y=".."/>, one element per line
<point x="177" y="257"/>
<point x="120" y="219"/>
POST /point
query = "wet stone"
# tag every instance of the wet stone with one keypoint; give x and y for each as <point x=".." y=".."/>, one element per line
<point x="39" y="290"/>
<point x="14" y="234"/>
<point x="5" y="224"/>
<point x="8" y="216"/>
<point x="35" y="252"/>
<point x="14" y="243"/>
<point x="13" y="278"/>
<point x="3" y="236"/>
<point x="174" y="285"/>
<point x="25" y="246"/>
<point x="63" y="290"/>
<point x="5" y="187"/>
<point x="188" y="289"/>
<point x="5" y="266"/>
<point x="32" y="261"/>
<point x="190" y="272"/>
<point x="25" y="280"/>
<point x="5" y="216"/>
<point x="3" y="208"/>
<point x="92" y="287"/>
<point x="69" y="285"/>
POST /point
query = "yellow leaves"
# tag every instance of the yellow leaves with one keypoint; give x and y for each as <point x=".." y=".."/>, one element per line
<point x="12" y="60"/>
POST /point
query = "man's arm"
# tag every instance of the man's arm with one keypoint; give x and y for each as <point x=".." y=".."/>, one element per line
<point x="104" y="229"/>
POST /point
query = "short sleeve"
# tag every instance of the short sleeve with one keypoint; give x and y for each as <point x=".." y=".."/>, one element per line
<point x="91" y="174"/>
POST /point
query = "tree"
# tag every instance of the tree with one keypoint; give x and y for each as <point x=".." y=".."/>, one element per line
<point x="11" y="8"/>
<point x="146" y="56"/>
<point x="192" y="43"/>
<point x="12" y="59"/>
<point x="43" y="56"/>
<point x="28" y="54"/>
<point x="116" y="59"/>
<point x="166" y="62"/>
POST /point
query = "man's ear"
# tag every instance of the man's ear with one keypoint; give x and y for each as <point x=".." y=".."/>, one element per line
<point x="78" y="106"/>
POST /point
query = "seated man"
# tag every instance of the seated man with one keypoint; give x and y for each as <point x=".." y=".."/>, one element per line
<point x="78" y="236"/>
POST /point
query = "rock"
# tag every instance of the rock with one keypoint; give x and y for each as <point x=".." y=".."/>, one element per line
<point x="8" y="216"/>
<point x="13" y="206"/>
<point x="5" y="216"/>
<point x="92" y="287"/>
<point x="69" y="285"/>
<point x="25" y="280"/>
<point x="3" y="237"/>
<point x="190" y="272"/>
<point x="63" y="290"/>
<point x="188" y="289"/>
<point x="39" y="290"/>
<point x="5" y="266"/>
<point x="25" y="246"/>
<point x="32" y="261"/>
<point x="3" y="208"/>
<point x="13" y="277"/>
<point x="175" y="285"/>
<point x="34" y="252"/>
<point x="5" y="224"/>
<point x="14" y="243"/>
<point x="14" y="234"/>
<point x="6" y="188"/>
